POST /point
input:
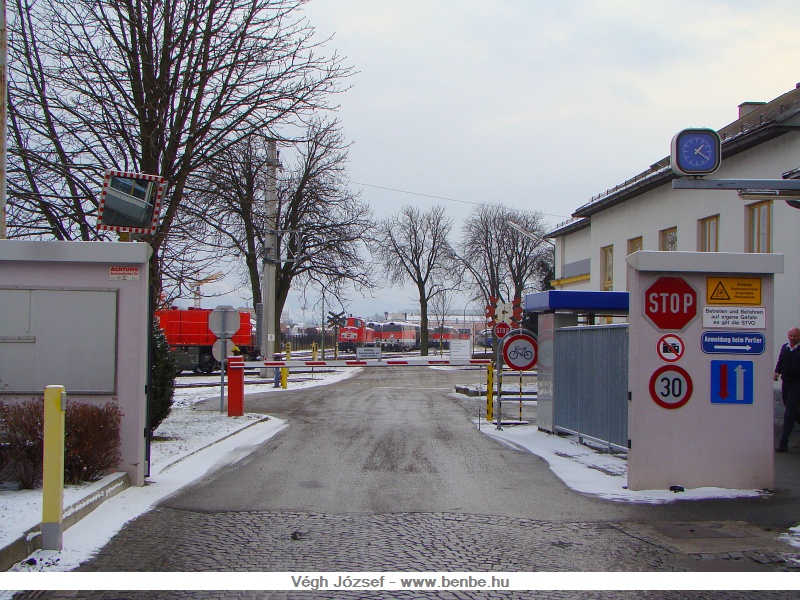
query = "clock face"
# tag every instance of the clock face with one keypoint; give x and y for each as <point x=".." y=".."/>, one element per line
<point x="696" y="152"/>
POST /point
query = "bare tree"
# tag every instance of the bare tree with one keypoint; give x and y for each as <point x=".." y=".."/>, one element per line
<point x="321" y="223"/>
<point x="414" y="246"/>
<point x="503" y="262"/>
<point x="441" y="305"/>
<point x="160" y="87"/>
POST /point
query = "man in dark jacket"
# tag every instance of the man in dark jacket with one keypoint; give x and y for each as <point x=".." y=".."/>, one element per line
<point x="788" y="369"/>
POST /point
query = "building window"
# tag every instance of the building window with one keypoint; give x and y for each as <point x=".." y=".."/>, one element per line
<point x="634" y="244"/>
<point x="607" y="266"/>
<point x="759" y="222"/>
<point x="709" y="232"/>
<point x="668" y="239"/>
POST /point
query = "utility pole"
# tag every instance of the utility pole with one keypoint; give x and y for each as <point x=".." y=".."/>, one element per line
<point x="271" y="258"/>
<point x="3" y="114"/>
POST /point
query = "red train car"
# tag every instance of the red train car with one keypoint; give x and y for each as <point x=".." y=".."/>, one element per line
<point x="355" y="334"/>
<point x="400" y="336"/>
<point x="190" y="339"/>
<point x="441" y="336"/>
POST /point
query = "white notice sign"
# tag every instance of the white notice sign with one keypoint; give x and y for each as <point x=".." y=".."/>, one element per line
<point x="368" y="352"/>
<point x="460" y="349"/>
<point x="735" y="317"/>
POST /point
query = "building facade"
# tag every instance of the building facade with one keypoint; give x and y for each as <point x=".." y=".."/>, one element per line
<point x="645" y="213"/>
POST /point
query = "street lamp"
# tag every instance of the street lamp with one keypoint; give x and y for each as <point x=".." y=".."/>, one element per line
<point x="530" y="234"/>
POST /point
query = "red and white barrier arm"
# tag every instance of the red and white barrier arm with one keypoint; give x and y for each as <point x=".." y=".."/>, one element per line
<point x="413" y="362"/>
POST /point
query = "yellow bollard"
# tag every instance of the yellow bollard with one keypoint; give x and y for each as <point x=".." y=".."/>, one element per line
<point x="313" y="350"/>
<point x="55" y="401"/>
<point x="285" y="370"/>
<point x="489" y="392"/>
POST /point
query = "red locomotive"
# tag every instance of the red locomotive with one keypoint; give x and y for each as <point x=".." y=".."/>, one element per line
<point x="355" y="334"/>
<point x="400" y="336"/>
<point x="190" y="339"/>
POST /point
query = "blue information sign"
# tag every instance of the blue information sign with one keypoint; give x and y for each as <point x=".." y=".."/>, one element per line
<point x="731" y="382"/>
<point x="730" y="342"/>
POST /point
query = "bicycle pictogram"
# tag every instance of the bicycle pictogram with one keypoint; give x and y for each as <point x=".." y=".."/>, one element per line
<point x="520" y="352"/>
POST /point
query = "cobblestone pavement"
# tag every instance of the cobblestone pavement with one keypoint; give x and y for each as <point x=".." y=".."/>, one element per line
<point x="416" y="542"/>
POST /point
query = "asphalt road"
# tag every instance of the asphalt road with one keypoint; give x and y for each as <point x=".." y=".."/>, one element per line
<point x="386" y="471"/>
<point x="387" y="441"/>
<point x="396" y="440"/>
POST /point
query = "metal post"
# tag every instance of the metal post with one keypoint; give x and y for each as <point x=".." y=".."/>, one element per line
<point x="55" y="400"/>
<point x="222" y="370"/>
<point x="489" y="392"/>
<point x="499" y="363"/>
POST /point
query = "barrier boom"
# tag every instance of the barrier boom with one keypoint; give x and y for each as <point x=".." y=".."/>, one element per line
<point x="414" y="362"/>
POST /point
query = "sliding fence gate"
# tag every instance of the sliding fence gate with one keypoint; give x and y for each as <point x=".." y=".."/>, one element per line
<point x="590" y="383"/>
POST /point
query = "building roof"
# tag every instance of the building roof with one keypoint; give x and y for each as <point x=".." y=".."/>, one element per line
<point x="569" y="226"/>
<point x="763" y="122"/>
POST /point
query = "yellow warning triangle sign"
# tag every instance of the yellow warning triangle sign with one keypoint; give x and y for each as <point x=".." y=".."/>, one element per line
<point x="720" y="293"/>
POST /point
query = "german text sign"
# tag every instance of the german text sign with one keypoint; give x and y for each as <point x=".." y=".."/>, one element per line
<point x="735" y="317"/>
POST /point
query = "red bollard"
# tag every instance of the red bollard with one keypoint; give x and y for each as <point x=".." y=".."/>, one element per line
<point x="235" y="386"/>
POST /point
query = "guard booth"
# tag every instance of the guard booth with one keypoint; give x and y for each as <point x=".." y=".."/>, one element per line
<point x="77" y="314"/>
<point x="571" y="389"/>
<point x="700" y="378"/>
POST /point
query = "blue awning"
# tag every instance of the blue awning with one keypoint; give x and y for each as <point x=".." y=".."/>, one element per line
<point x="577" y="301"/>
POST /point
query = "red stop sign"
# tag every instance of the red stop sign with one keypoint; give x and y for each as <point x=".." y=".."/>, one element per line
<point x="501" y="329"/>
<point x="670" y="303"/>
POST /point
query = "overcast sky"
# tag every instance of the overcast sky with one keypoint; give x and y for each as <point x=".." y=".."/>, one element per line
<point x="538" y="105"/>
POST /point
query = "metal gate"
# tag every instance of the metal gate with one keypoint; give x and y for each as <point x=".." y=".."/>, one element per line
<point x="590" y="383"/>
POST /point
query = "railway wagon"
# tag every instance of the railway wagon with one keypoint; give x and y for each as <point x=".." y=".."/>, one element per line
<point x="190" y="340"/>
<point x="441" y="336"/>
<point x="355" y="334"/>
<point x="400" y="337"/>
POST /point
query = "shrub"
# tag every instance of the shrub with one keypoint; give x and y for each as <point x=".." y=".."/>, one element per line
<point x="91" y="441"/>
<point x="163" y="368"/>
<point x="4" y="446"/>
<point x="23" y="432"/>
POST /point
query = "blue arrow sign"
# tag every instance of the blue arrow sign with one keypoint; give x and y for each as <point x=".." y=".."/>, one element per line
<point x="729" y="342"/>
<point x="731" y="382"/>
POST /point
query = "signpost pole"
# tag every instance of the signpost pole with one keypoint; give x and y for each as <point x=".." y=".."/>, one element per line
<point x="499" y="363"/>
<point x="222" y="374"/>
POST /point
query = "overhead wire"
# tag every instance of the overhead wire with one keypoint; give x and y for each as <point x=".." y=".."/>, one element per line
<point x="380" y="187"/>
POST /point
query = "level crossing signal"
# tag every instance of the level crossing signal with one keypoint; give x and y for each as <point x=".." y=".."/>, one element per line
<point x="336" y="319"/>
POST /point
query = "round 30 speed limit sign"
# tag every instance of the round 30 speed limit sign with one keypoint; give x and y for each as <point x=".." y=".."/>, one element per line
<point x="670" y="386"/>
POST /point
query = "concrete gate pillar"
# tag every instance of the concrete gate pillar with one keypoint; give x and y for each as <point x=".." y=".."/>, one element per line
<point x="700" y="370"/>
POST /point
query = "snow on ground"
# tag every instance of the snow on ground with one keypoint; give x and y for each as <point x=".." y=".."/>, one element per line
<point x="181" y="438"/>
<point x="186" y="436"/>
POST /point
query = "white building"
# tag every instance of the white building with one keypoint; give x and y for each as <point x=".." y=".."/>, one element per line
<point x="645" y="213"/>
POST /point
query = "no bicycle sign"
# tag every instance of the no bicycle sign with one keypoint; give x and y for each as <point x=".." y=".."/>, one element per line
<point x="520" y="351"/>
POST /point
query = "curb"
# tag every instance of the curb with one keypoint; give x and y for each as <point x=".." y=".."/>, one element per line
<point x="101" y="490"/>
<point x="473" y="393"/>
<point x="25" y="545"/>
